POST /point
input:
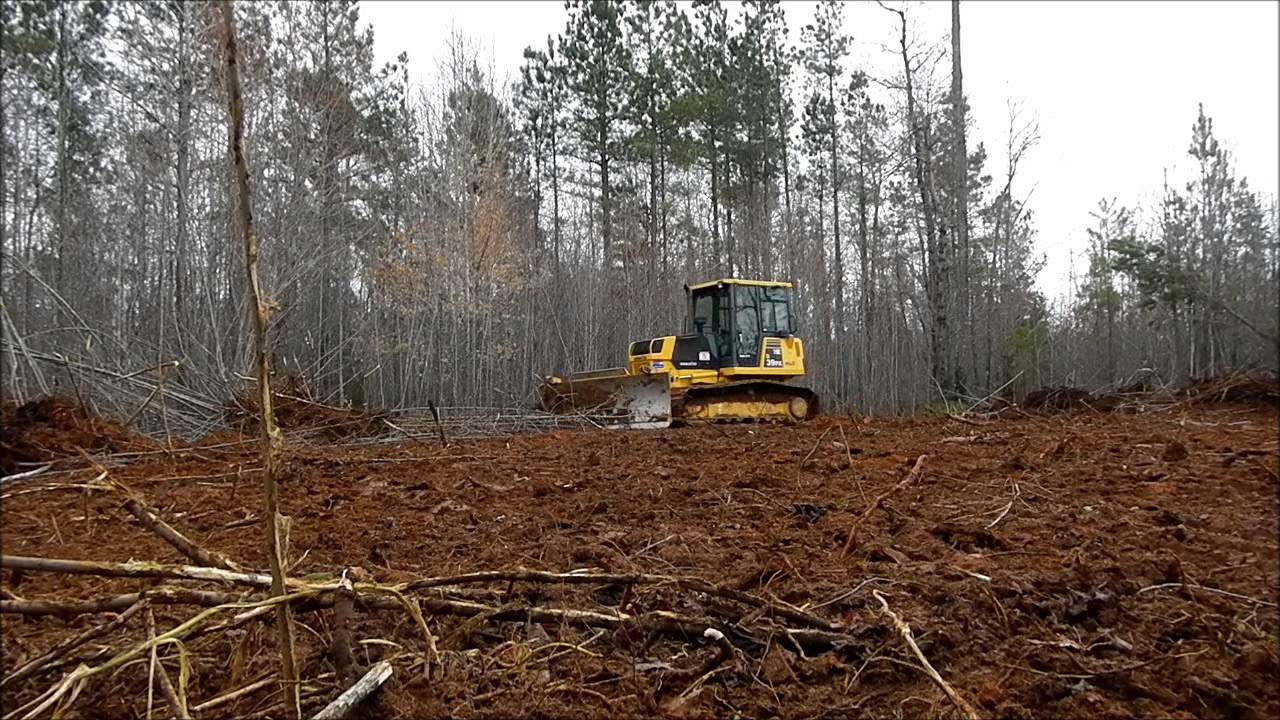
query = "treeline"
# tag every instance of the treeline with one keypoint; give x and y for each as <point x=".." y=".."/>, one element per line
<point x="453" y="242"/>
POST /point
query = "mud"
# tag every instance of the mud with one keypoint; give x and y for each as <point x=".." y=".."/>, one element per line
<point x="1049" y="566"/>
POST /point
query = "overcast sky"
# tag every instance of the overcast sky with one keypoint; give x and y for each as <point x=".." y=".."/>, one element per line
<point x="1113" y="86"/>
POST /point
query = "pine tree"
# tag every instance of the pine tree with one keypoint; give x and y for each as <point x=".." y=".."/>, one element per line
<point x="597" y="63"/>
<point x="652" y="87"/>
<point x="1101" y="295"/>
<point x="706" y="105"/>
<point x="824" y="47"/>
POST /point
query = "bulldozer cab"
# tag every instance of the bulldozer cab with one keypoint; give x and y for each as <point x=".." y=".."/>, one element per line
<point x="735" y="316"/>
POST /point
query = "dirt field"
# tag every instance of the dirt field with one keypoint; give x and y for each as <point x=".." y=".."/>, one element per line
<point x="1080" y="565"/>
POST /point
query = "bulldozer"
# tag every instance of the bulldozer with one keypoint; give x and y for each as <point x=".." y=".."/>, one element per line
<point x="735" y="362"/>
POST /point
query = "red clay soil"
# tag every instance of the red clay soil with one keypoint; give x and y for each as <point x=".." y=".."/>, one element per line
<point x="1082" y="565"/>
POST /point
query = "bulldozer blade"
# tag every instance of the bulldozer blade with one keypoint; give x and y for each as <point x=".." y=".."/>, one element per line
<point x="640" y="402"/>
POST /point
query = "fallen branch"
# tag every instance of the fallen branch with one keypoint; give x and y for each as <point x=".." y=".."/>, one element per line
<point x="910" y="478"/>
<point x="134" y="569"/>
<point x="166" y="595"/>
<point x="144" y="569"/>
<point x="233" y="695"/>
<point x="364" y="687"/>
<point x="197" y="554"/>
<point x="905" y="631"/>
<point x="1017" y="494"/>
<point x="664" y="623"/>
<point x="156" y="670"/>
<point x="75" y="680"/>
<point x="404" y="432"/>
<point x="37" y="665"/>
<point x="993" y="393"/>
<point x="24" y="475"/>
<point x="1206" y="588"/>
<point x="687" y="584"/>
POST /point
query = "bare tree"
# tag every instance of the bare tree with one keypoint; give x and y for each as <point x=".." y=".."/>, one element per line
<point x="271" y="437"/>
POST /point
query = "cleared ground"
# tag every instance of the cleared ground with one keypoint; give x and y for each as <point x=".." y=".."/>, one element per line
<point x="1099" y="564"/>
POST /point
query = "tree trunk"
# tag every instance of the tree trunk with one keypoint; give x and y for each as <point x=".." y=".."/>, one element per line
<point x="183" y="169"/>
<point x="961" y="233"/>
<point x="934" y="253"/>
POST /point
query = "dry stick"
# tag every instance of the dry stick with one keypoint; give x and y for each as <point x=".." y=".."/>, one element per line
<point x="690" y="584"/>
<point x="78" y="677"/>
<point x="905" y="631"/>
<point x="233" y="695"/>
<point x="815" y="447"/>
<point x="965" y="420"/>
<point x="667" y="624"/>
<point x="142" y="569"/>
<point x="170" y="694"/>
<point x="271" y="437"/>
<point x="164" y="595"/>
<point x="134" y="569"/>
<point x="75" y="383"/>
<point x="347" y="701"/>
<point x="910" y="478"/>
<point x="1206" y="588"/>
<point x="164" y="409"/>
<point x="143" y="406"/>
<point x="151" y="664"/>
<point x="37" y="665"/>
<point x="199" y="555"/>
<point x="24" y="475"/>
<point x="402" y="431"/>
<point x="993" y="393"/>
<point x="663" y="623"/>
<point x="157" y="671"/>
<point x="1017" y="493"/>
<point x="848" y="453"/>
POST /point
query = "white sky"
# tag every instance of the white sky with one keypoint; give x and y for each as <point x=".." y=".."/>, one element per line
<point x="1113" y="85"/>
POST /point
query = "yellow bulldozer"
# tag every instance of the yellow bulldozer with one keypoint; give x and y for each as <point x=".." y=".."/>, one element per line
<point x="735" y="362"/>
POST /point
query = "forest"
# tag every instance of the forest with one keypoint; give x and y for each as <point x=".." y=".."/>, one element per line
<point x="455" y="241"/>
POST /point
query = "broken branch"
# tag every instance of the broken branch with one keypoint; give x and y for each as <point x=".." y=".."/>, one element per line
<point x="905" y="631"/>
<point x="346" y="702"/>
<point x="37" y="665"/>
<point x="197" y="554"/>
<point x="910" y="478"/>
